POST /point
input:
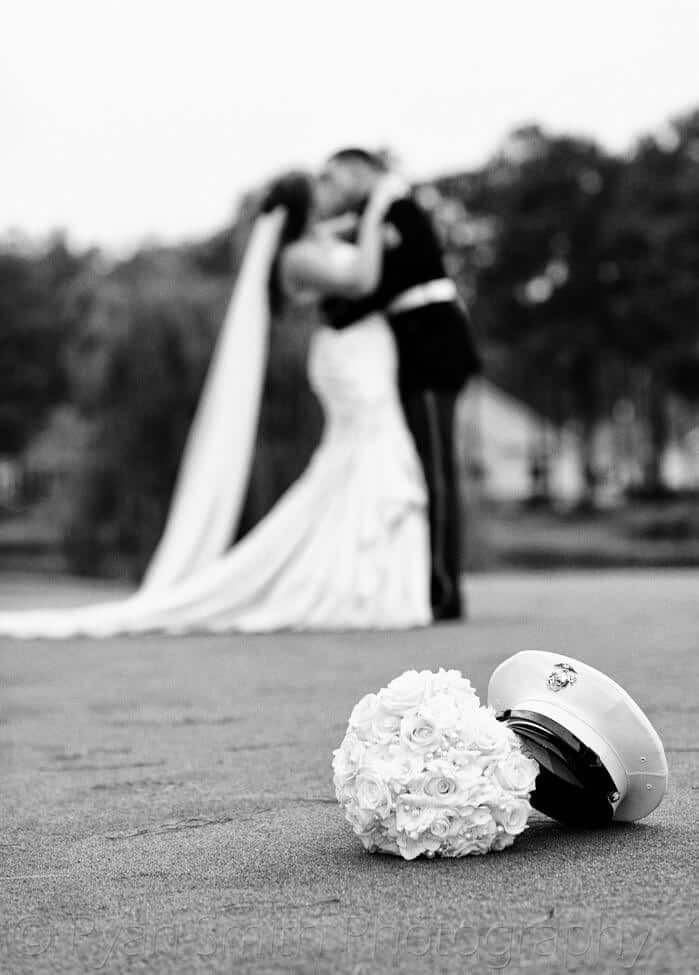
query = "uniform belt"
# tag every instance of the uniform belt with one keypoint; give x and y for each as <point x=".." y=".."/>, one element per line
<point x="429" y="293"/>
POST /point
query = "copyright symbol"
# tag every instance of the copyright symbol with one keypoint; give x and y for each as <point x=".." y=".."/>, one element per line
<point x="32" y="936"/>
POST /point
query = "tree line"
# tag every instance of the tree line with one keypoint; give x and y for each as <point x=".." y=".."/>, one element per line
<point x="581" y="269"/>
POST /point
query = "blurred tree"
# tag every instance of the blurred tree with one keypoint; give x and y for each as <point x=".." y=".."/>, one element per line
<point x="538" y="291"/>
<point x="650" y="266"/>
<point x="136" y="365"/>
<point x="33" y="329"/>
<point x="581" y="268"/>
<point x="583" y="271"/>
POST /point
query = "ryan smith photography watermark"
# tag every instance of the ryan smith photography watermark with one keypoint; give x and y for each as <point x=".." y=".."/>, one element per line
<point x="102" y="943"/>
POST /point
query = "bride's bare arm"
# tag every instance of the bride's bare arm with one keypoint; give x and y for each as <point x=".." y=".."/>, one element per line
<point x="344" y="226"/>
<point x="329" y="266"/>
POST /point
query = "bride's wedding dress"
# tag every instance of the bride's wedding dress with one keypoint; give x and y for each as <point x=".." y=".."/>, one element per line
<point x="347" y="546"/>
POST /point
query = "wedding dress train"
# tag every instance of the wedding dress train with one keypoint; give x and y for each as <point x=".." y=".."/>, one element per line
<point x="347" y="546"/>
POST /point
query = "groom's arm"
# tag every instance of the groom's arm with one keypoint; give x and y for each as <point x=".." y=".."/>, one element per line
<point x="414" y="226"/>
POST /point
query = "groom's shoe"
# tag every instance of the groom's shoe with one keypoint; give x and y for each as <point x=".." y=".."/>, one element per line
<point x="448" y="603"/>
<point x="600" y="758"/>
<point x="449" y="612"/>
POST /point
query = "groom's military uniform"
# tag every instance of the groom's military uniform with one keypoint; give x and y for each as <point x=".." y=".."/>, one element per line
<point x="436" y="357"/>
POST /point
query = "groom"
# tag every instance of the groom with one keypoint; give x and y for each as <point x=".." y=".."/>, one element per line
<point x="436" y="351"/>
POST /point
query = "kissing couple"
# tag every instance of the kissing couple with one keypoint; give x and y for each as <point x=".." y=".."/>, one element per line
<point x="369" y="536"/>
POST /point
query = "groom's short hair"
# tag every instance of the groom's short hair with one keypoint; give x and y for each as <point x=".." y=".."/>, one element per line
<point x="354" y="154"/>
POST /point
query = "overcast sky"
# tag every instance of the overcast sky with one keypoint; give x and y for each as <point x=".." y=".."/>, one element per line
<point x="126" y="119"/>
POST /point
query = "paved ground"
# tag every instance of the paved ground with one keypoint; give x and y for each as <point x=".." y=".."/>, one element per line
<point x="166" y="805"/>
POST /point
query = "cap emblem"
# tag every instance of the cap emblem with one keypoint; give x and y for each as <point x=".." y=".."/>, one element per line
<point x="561" y="676"/>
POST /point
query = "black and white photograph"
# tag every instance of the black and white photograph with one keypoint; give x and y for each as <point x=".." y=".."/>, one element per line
<point x="349" y="487"/>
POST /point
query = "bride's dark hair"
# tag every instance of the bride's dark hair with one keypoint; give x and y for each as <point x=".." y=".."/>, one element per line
<point x="294" y="192"/>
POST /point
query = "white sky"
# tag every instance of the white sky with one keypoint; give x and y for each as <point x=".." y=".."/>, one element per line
<point x="125" y="119"/>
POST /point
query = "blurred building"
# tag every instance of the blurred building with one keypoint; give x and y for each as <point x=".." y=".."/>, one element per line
<point x="513" y="454"/>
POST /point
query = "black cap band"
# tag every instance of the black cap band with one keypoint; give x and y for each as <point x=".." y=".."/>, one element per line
<point x="573" y="785"/>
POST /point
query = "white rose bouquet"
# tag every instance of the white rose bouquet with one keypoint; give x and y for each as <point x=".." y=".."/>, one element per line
<point x="424" y="769"/>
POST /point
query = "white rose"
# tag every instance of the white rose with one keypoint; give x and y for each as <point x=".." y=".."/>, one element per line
<point x="452" y="682"/>
<point x="385" y="725"/>
<point x="445" y="822"/>
<point x="474" y="817"/>
<point x="405" y="764"/>
<point x="446" y="711"/>
<point x="371" y="835"/>
<point x="362" y="821"/>
<point x="486" y="830"/>
<point x="461" y="847"/>
<point x="411" y="848"/>
<point x="413" y="820"/>
<point x="372" y="793"/>
<point x="512" y="815"/>
<point x="446" y="783"/>
<point x="469" y="846"/>
<point x="420" y="731"/>
<point x="460" y="756"/>
<point x="350" y="752"/>
<point x="415" y="786"/>
<point x="485" y="734"/>
<point x="468" y="778"/>
<point x="516" y="773"/>
<point x="466" y="842"/>
<point x="501" y="841"/>
<point x="440" y="780"/>
<point x="485" y="792"/>
<point x="387" y="845"/>
<point x="355" y="749"/>
<point x="376" y="755"/>
<point x="388" y="826"/>
<point x="344" y="772"/>
<point x="404" y="693"/>
<point x="363" y="714"/>
<point x="341" y="754"/>
<point x="380" y="764"/>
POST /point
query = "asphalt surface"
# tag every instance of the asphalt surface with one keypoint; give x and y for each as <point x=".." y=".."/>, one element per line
<point x="166" y="804"/>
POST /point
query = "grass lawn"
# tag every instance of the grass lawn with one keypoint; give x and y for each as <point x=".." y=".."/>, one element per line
<point x="497" y="537"/>
<point x="639" y="534"/>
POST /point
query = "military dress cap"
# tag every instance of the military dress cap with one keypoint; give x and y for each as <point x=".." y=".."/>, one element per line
<point x="600" y="758"/>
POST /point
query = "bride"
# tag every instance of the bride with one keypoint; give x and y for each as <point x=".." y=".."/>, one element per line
<point x="347" y="546"/>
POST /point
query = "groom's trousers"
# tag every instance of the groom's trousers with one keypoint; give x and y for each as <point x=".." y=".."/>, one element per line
<point x="437" y="355"/>
<point x="430" y="417"/>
